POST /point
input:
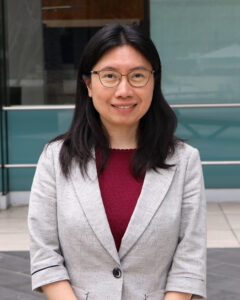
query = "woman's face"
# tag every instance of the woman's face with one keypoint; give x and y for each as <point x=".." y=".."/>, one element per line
<point x="122" y="105"/>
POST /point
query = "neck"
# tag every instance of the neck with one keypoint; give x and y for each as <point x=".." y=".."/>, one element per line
<point x="122" y="137"/>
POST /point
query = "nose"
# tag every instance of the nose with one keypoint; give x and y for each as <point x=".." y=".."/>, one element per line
<point x="124" y="89"/>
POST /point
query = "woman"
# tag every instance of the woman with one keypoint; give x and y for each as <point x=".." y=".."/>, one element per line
<point x="117" y="207"/>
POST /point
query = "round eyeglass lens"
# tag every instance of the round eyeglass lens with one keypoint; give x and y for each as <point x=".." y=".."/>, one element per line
<point x="109" y="78"/>
<point x="138" y="77"/>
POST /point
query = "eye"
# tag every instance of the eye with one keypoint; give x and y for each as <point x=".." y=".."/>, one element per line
<point x="138" y="75"/>
<point x="109" y="75"/>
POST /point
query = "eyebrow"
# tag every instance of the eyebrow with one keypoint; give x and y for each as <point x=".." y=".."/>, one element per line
<point x="115" y="69"/>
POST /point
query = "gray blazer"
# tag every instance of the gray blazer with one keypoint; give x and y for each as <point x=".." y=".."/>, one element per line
<point x="163" y="248"/>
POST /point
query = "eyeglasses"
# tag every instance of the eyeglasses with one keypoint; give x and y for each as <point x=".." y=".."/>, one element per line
<point x="137" y="78"/>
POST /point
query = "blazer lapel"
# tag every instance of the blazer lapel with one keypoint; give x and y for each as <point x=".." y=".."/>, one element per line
<point x="154" y="189"/>
<point x="89" y="196"/>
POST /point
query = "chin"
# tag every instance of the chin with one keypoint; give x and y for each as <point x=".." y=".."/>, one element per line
<point x="126" y="123"/>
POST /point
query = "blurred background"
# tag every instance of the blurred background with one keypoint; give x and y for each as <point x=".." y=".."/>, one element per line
<point x="199" y="45"/>
<point x="41" y="43"/>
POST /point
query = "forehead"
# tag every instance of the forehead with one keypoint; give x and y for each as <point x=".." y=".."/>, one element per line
<point x="123" y="57"/>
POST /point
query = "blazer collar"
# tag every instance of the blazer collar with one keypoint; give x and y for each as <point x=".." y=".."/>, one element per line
<point x="89" y="196"/>
<point x="155" y="187"/>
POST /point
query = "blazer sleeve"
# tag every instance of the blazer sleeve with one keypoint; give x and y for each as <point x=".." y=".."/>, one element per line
<point x="47" y="262"/>
<point x="188" y="270"/>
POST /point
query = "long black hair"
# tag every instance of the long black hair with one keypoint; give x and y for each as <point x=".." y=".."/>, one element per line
<point x="155" y="137"/>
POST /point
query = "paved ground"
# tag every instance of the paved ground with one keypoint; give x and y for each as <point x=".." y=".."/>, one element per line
<point x="223" y="223"/>
<point x="223" y="275"/>
<point x="15" y="281"/>
<point x="223" y="266"/>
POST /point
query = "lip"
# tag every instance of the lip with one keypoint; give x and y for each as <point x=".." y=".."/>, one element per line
<point x="124" y="106"/>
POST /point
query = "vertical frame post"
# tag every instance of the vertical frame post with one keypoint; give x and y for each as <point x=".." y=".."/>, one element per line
<point x="3" y="98"/>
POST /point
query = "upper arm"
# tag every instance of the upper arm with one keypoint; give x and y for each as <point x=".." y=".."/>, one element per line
<point x="188" y="270"/>
<point x="47" y="262"/>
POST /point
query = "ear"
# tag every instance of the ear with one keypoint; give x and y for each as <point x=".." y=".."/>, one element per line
<point x="87" y="81"/>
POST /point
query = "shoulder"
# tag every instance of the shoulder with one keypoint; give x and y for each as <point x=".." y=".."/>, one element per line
<point x="52" y="148"/>
<point x="183" y="153"/>
<point x="185" y="149"/>
<point x="50" y="154"/>
<point x="187" y="164"/>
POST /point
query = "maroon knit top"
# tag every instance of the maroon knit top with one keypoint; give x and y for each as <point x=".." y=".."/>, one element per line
<point x="119" y="190"/>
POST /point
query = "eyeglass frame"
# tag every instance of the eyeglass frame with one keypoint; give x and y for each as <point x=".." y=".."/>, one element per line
<point x="97" y="73"/>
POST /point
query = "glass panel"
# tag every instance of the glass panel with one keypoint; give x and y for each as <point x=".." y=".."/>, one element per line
<point x="215" y="132"/>
<point x="28" y="132"/>
<point x="198" y="42"/>
<point x="26" y="73"/>
<point x="68" y="25"/>
<point x="222" y="177"/>
<point x="0" y="171"/>
<point x="46" y="39"/>
<point x="3" y="155"/>
<point x="21" y="179"/>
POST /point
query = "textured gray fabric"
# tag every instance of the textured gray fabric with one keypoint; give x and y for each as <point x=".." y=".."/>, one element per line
<point x="163" y="248"/>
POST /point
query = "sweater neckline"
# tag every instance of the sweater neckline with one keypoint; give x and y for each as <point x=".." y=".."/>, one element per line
<point x="123" y="150"/>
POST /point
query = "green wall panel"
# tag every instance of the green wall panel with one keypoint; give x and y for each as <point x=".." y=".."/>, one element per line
<point x="0" y="163"/>
<point x="20" y="179"/>
<point x="215" y="132"/>
<point x="3" y="172"/>
<point x="28" y="132"/>
<point x="0" y="173"/>
<point x="222" y="177"/>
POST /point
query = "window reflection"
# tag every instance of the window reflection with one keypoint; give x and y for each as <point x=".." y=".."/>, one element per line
<point x="46" y="38"/>
<point x="199" y="45"/>
<point x="68" y="25"/>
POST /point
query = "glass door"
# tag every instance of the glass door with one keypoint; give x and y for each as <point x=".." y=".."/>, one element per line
<point x="45" y="41"/>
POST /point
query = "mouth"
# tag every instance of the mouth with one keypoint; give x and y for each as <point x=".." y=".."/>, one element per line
<point x="124" y="106"/>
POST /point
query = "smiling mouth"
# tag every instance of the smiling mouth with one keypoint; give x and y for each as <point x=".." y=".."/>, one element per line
<point x="124" y="106"/>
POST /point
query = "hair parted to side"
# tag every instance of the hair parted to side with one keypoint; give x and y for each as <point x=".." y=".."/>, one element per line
<point x="155" y="140"/>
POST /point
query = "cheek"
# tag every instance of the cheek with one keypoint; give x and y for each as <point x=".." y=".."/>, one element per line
<point x="101" y="94"/>
<point x="93" y="88"/>
<point x="146" y="107"/>
<point x="101" y="99"/>
<point x="147" y="100"/>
